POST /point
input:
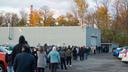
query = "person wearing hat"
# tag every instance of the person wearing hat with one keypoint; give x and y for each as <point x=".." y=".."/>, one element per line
<point x="24" y="61"/>
<point x="54" y="59"/>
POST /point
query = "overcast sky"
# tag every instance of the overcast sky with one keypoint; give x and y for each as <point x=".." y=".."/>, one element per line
<point x="59" y="6"/>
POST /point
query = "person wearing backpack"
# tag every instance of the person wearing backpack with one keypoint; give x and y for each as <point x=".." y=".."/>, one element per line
<point x="63" y="58"/>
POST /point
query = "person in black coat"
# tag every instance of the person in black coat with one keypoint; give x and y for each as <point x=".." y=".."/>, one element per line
<point x="34" y="53"/>
<point x="24" y="61"/>
<point x="75" y="54"/>
<point x="81" y="53"/>
<point x="86" y="51"/>
<point x="17" y="48"/>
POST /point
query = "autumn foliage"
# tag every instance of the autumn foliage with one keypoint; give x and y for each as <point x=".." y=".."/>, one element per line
<point x="111" y="16"/>
<point x="35" y="18"/>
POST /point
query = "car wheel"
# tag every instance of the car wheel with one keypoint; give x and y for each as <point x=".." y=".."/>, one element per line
<point x="1" y="68"/>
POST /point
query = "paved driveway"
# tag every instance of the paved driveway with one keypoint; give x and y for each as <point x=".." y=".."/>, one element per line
<point x="98" y="63"/>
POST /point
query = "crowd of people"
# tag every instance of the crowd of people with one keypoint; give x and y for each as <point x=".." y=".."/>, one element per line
<point x="36" y="59"/>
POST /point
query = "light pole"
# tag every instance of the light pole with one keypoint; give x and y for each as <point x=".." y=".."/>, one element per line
<point x="9" y="32"/>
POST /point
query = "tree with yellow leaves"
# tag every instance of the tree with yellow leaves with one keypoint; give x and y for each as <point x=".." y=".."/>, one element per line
<point x="61" y="20"/>
<point x="67" y="20"/>
<point x="103" y="18"/>
<point x="81" y="6"/>
<point x="41" y="17"/>
<point x="71" y="20"/>
<point x="35" y="18"/>
<point x="47" y="16"/>
<point x="120" y="22"/>
<point x="50" y="21"/>
<point x="103" y="21"/>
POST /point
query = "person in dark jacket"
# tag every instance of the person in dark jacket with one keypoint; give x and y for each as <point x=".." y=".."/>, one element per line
<point x="81" y="53"/>
<point x="34" y="53"/>
<point x="63" y="58"/>
<point x="17" y="48"/>
<point x="24" y="61"/>
<point x="74" y="54"/>
<point x="69" y="57"/>
<point x="86" y="50"/>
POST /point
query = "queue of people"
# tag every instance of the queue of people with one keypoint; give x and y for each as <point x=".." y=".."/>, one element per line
<point x="37" y="59"/>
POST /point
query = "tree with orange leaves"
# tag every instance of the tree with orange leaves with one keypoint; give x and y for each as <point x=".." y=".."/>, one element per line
<point x="35" y="17"/>
<point x="103" y="17"/>
<point x="61" y="20"/>
<point x="81" y="6"/>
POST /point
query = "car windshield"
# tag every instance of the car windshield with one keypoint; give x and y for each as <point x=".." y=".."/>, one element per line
<point x="2" y="49"/>
<point x="118" y="48"/>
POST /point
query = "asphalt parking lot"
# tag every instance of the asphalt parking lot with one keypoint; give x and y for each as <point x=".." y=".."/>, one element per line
<point x="98" y="63"/>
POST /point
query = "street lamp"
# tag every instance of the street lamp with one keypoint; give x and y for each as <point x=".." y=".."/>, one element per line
<point x="9" y="30"/>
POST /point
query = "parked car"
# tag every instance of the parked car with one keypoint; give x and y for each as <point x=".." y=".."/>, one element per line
<point x="8" y="47"/>
<point x="125" y="57"/>
<point x="113" y="49"/>
<point x="5" y="50"/>
<point x="3" y="63"/>
<point x="122" y="53"/>
<point x="116" y="52"/>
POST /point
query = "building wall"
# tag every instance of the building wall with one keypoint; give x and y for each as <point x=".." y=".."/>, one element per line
<point x="51" y="35"/>
<point x="3" y="35"/>
<point x="72" y="35"/>
<point x="93" y="34"/>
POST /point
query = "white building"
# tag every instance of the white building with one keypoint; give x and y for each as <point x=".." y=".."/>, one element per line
<point x="71" y="35"/>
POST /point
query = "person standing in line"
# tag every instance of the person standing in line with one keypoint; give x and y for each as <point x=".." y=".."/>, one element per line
<point x="89" y="50"/>
<point x="94" y="49"/>
<point x="75" y="54"/>
<point x="77" y="50"/>
<point x="54" y="57"/>
<point x="41" y="61"/>
<point x="16" y="50"/>
<point x="24" y="61"/>
<point x="69" y="57"/>
<point x="8" y="60"/>
<point x="81" y="53"/>
<point x="86" y="52"/>
<point x="63" y="58"/>
<point x="34" y="53"/>
<point x="100" y="50"/>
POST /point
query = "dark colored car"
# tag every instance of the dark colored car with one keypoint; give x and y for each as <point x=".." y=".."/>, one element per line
<point x="113" y="49"/>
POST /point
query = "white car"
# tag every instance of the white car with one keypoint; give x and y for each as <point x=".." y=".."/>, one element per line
<point x="4" y="50"/>
<point x="125" y="57"/>
<point x="122" y="53"/>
